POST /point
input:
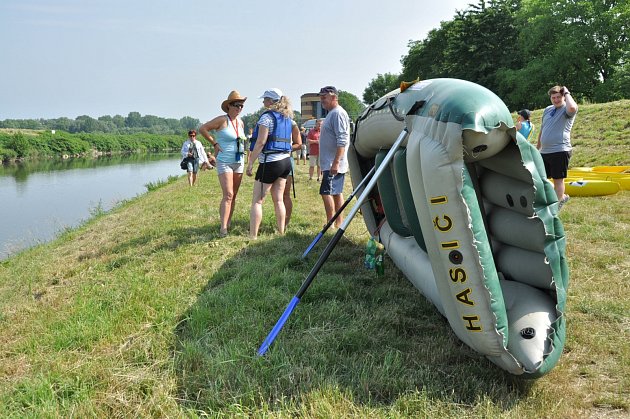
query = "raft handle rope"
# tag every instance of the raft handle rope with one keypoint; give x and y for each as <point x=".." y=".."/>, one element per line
<point x="370" y="109"/>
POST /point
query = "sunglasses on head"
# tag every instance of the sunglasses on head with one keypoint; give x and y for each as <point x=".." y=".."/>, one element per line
<point x="237" y="105"/>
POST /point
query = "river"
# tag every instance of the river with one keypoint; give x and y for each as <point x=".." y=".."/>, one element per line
<point x="38" y="200"/>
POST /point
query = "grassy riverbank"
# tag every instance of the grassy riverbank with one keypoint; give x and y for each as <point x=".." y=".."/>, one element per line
<point x="145" y="311"/>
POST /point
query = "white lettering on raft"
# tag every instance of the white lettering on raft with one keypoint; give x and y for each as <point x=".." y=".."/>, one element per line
<point x="444" y="224"/>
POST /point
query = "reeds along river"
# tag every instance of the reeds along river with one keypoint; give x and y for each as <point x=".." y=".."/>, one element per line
<point x="40" y="199"/>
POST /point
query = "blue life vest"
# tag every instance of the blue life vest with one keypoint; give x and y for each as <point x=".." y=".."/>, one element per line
<point x="278" y="141"/>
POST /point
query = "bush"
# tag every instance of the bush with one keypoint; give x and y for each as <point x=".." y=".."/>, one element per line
<point x="19" y="144"/>
<point x="7" y="154"/>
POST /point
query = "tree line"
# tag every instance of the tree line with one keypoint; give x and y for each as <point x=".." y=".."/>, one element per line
<point x="45" y="144"/>
<point x="134" y="122"/>
<point x="521" y="48"/>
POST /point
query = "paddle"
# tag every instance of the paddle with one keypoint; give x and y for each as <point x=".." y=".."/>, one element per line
<point x="329" y="248"/>
<point x="339" y="211"/>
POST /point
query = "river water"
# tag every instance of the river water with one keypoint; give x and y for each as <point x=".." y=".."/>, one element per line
<point x="38" y="200"/>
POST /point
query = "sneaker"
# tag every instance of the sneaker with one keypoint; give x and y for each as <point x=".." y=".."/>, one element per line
<point x="563" y="201"/>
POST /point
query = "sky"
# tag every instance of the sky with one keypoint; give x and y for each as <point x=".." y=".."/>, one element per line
<point x="66" y="58"/>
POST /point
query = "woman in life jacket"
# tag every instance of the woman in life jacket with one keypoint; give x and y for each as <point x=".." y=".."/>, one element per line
<point x="228" y="142"/>
<point x="271" y="143"/>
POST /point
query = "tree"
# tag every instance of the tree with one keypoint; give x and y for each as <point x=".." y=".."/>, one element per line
<point x="351" y="104"/>
<point x="188" y="123"/>
<point x="590" y="43"/>
<point x="85" y="123"/>
<point x="133" y="120"/>
<point x="379" y="86"/>
<point x="251" y="119"/>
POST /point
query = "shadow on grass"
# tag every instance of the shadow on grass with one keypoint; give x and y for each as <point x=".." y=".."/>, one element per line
<point x="372" y="339"/>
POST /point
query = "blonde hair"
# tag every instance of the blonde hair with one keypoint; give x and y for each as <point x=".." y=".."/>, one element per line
<point x="283" y="106"/>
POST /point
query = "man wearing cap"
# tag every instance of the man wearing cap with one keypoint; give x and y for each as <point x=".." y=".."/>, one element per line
<point x="334" y="139"/>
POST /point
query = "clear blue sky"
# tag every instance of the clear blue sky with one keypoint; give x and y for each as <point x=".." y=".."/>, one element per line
<point x="182" y="58"/>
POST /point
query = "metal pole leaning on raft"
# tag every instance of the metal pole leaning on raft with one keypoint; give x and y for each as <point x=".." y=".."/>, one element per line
<point x="329" y="248"/>
<point x="339" y="211"/>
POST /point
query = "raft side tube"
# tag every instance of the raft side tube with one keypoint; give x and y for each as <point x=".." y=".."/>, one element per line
<point x="391" y="199"/>
<point x="403" y="188"/>
<point x="413" y="262"/>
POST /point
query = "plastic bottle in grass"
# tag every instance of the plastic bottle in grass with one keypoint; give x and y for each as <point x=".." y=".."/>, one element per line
<point x="370" y="254"/>
<point x="379" y="265"/>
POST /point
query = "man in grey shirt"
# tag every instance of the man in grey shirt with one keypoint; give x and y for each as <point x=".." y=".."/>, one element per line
<point x="554" y="138"/>
<point x="334" y="139"/>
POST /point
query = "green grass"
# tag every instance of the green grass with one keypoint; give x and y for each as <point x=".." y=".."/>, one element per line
<point x="145" y="312"/>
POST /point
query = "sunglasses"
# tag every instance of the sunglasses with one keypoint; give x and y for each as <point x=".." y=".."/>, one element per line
<point x="237" y="105"/>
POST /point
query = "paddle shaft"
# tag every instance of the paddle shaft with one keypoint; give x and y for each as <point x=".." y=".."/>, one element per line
<point x="339" y="211"/>
<point x="331" y="245"/>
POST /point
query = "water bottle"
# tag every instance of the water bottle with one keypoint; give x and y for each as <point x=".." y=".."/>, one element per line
<point x="370" y="254"/>
<point x="379" y="266"/>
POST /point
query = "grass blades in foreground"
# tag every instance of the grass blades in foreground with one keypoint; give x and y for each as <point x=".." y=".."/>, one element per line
<point x="145" y="312"/>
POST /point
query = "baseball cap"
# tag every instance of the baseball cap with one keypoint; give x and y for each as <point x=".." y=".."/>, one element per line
<point x="328" y="90"/>
<point x="274" y="94"/>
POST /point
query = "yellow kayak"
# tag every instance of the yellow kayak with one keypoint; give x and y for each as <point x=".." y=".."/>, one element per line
<point x="604" y="169"/>
<point x="623" y="179"/>
<point x="590" y="187"/>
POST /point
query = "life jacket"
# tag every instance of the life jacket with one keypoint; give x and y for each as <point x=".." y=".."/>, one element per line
<point x="278" y="141"/>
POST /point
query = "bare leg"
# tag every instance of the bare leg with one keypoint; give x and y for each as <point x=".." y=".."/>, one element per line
<point x="225" y="208"/>
<point x="190" y="178"/>
<point x="255" y="213"/>
<point x="338" y="201"/>
<point x="329" y="206"/>
<point x="558" y="186"/>
<point x="194" y="179"/>
<point x="277" y="194"/>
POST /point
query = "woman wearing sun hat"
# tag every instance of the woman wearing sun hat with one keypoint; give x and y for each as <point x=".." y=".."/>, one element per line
<point x="228" y="144"/>
<point x="275" y="136"/>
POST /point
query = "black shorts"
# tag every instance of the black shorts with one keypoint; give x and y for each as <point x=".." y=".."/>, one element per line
<point x="269" y="172"/>
<point x="557" y="164"/>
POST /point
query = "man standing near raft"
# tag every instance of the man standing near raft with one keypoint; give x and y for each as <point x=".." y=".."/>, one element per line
<point x="554" y="138"/>
<point x="334" y="140"/>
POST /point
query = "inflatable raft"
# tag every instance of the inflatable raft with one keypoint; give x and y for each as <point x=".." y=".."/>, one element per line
<point x="464" y="210"/>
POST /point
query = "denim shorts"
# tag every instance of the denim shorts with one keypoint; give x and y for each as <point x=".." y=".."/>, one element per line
<point x="331" y="185"/>
<point x="193" y="165"/>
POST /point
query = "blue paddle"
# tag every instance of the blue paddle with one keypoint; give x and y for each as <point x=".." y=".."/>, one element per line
<point x="329" y="248"/>
<point x="339" y="211"/>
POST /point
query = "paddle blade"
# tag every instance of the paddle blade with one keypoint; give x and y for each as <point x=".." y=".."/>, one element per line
<point x="313" y="243"/>
<point x="279" y="324"/>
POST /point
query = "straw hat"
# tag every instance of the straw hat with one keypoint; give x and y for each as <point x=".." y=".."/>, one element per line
<point x="234" y="96"/>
